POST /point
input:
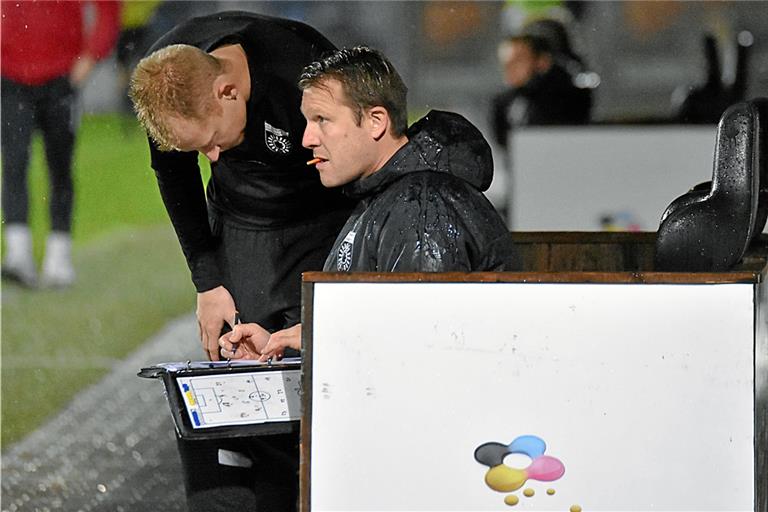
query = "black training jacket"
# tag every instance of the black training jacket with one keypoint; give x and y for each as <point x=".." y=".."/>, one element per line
<point x="264" y="183"/>
<point x="424" y="211"/>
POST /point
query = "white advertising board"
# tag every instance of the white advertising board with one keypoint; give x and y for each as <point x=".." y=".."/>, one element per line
<point x="609" y="397"/>
<point x="571" y="179"/>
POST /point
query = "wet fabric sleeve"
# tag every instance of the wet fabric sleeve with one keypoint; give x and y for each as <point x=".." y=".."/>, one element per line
<point x="424" y="233"/>
<point x="181" y="188"/>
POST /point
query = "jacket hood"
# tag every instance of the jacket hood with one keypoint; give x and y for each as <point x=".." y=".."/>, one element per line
<point x="439" y="142"/>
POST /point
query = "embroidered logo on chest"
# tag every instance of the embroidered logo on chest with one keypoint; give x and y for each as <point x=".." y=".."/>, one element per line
<point x="344" y="257"/>
<point x="276" y="139"/>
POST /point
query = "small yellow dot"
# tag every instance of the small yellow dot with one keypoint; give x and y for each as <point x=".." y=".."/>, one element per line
<point x="550" y="491"/>
<point x="529" y="492"/>
<point x="575" y="508"/>
<point x="511" y="500"/>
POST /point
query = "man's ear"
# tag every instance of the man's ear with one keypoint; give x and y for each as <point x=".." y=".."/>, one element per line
<point x="378" y="119"/>
<point x="224" y="89"/>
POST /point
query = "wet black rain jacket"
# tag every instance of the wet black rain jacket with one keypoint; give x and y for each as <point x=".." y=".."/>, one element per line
<point x="424" y="211"/>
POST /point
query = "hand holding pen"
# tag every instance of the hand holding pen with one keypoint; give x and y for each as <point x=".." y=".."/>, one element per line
<point x="246" y="341"/>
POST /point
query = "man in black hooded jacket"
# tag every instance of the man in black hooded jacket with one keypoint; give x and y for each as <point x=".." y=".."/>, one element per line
<point x="421" y="206"/>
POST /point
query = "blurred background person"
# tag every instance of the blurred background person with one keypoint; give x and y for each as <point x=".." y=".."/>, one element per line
<point x="547" y="84"/>
<point x="48" y="52"/>
<point x="545" y="80"/>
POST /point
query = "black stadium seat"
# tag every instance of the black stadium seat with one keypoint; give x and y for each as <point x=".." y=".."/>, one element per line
<point x="709" y="228"/>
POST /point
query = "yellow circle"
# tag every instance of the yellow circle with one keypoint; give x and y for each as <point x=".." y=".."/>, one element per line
<point x="550" y="491"/>
<point x="529" y="492"/>
<point x="575" y="508"/>
<point x="503" y="478"/>
<point x="511" y="500"/>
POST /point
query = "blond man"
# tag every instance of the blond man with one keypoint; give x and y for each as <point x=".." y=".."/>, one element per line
<point x="224" y="85"/>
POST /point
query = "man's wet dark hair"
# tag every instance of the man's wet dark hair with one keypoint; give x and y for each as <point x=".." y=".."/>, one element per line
<point x="538" y="45"/>
<point x="554" y="33"/>
<point x="368" y="80"/>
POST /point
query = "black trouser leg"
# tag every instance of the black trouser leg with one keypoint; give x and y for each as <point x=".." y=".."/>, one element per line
<point x="18" y="123"/>
<point x="59" y="123"/>
<point x="270" y="484"/>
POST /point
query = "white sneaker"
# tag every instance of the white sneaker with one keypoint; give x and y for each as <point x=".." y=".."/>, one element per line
<point x="18" y="262"/>
<point x="57" y="264"/>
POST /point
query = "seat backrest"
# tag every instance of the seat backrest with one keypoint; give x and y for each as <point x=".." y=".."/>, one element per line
<point x="710" y="230"/>
<point x="761" y="154"/>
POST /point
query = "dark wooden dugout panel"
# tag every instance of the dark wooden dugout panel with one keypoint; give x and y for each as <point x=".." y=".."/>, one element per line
<point x="584" y="257"/>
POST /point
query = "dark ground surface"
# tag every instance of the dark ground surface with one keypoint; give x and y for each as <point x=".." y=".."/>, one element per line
<point x="112" y="449"/>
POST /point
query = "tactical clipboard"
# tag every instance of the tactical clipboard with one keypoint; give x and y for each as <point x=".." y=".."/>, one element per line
<point x="223" y="399"/>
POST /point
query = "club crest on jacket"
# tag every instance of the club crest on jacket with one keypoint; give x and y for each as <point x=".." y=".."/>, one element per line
<point x="344" y="256"/>
<point x="276" y="139"/>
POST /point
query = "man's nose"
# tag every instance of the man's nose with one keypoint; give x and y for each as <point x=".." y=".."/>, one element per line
<point x="213" y="154"/>
<point x="309" y="140"/>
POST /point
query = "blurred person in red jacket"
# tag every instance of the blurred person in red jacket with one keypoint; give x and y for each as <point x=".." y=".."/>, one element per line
<point x="48" y="51"/>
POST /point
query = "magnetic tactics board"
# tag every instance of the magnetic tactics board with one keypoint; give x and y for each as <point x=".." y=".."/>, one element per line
<point x="241" y="398"/>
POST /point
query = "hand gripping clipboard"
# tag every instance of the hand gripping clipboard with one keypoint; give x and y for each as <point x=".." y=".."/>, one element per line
<point x="224" y="399"/>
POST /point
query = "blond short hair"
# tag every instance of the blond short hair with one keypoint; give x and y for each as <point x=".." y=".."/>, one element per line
<point x="175" y="81"/>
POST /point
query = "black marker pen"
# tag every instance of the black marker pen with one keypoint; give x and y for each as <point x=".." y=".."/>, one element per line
<point x="235" y="321"/>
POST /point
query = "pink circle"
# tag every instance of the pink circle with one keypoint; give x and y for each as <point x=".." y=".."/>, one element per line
<point x="545" y="469"/>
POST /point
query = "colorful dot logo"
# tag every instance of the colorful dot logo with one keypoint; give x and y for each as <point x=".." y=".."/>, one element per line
<point x="503" y="478"/>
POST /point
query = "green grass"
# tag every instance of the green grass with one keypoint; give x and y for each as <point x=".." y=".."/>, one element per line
<point x="114" y="184"/>
<point x="132" y="278"/>
<point x="55" y="342"/>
